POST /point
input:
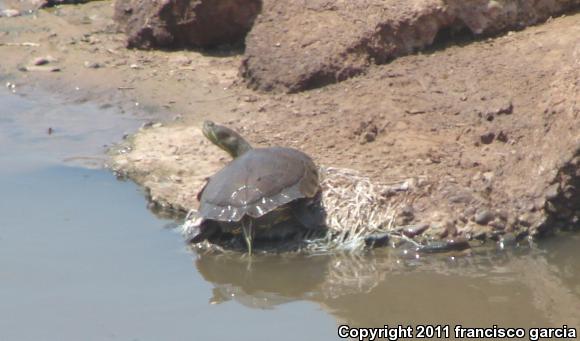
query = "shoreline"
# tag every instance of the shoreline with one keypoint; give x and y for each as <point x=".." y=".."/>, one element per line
<point x="471" y="145"/>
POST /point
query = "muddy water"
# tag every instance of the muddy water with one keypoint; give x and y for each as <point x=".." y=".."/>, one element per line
<point x="81" y="258"/>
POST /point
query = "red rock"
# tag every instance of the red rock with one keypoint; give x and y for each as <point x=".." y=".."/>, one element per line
<point x="185" y="23"/>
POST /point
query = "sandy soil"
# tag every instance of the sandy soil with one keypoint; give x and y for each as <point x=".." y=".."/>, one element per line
<point x="478" y="134"/>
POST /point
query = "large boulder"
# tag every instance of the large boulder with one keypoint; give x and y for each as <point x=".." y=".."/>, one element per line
<point x="185" y="23"/>
<point x="297" y="45"/>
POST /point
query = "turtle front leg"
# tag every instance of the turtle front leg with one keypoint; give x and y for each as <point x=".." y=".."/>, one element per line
<point x="248" y="229"/>
<point x="206" y="229"/>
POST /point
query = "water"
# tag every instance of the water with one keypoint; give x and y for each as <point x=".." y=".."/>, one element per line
<point x="81" y="258"/>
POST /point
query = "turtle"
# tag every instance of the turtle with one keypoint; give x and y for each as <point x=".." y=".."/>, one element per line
<point x="267" y="193"/>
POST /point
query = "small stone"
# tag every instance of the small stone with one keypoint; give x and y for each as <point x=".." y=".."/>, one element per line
<point x="368" y="137"/>
<point x="43" y="68"/>
<point x="483" y="217"/>
<point x="458" y="244"/>
<point x="415" y="230"/>
<point x="377" y="240"/>
<point x="41" y="61"/>
<point x="506" y="109"/>
<point x="487" y="138"/>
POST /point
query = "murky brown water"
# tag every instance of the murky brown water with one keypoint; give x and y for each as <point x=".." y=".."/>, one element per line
<point x="81" y="258"/>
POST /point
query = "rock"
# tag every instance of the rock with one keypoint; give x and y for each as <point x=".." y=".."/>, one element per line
<point x="487" y="138"/>
<point x="456" y="244"/>
<point x="506" y="109"/>
<point x="185" y="23"/>
<point x="377" y="239"/>
<point x="296" y="45"/>
<point x="483" y="217"/>
<point x="43" y="60"/>
<point x="414" y="231"/>
<point x="489" y="116"/>
<point x="368" y="137"/>
<point x="43" y="68"/>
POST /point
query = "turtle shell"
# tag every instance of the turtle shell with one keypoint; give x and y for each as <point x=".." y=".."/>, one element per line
<point x="258" y="182"/>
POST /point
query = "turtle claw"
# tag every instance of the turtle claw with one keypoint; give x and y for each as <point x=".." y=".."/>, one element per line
<point x="248" y="230"/>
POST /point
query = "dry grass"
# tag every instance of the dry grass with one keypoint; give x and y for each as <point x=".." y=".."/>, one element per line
<point x="355" y="209"/>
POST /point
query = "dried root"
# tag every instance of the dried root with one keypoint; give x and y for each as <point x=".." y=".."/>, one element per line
<point x="355" y="208"/>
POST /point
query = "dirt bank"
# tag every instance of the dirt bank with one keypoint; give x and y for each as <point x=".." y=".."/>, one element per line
<point x="483" y="136"/>
<point x="296" y="45"/>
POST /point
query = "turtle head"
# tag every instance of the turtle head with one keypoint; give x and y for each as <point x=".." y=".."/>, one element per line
<point x="225" y="138"/>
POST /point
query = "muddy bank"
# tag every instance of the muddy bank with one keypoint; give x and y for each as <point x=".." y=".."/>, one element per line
<point x="480" y="139"/>
<point x="483" y="135"/>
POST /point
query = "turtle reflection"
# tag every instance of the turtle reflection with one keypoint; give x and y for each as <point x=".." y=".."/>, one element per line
<point x="382" y="287"/>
